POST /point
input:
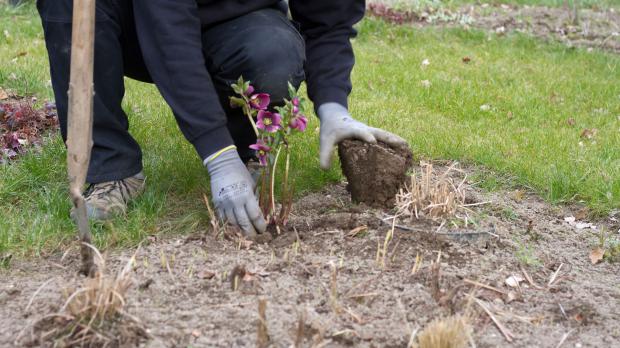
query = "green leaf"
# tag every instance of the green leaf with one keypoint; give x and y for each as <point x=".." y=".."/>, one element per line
<point x="292" y="92"/>
<point x="236" y="101"/>
<point x="237" y="89"/>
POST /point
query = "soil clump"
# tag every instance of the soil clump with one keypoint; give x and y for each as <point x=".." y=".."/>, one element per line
<point x="374" y="172"/>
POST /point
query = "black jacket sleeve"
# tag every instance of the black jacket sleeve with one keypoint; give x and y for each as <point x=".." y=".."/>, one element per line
<point x="169" y="33"/>
<point x="327" y="27"/>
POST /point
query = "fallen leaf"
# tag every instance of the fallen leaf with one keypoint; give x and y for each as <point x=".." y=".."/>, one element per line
<point x="514" y="280"/>
<point x="146" y="284"/>
<point x="206" y="274"/>
<point x="584" y="225"/>
<point x="426" y="83"/>
<point x="21" y="54"/>
<point x="426" y="62"/>
<point x="589" y="133"/>
<point x="509" y="115"/>
<point x="354" y="232"/>
<point x="485" y="107"/>
<point x="511" y="296"/>
<point x="518" y="195"/>
<point x="245" y="243"/>
<point x="466" y="60"/>
<point x="571" y="121"/>
<point x="248" y="277"/>
<point x="570" y="220"/>
<point x="196" y="333"/>
<point x="596" y="255"/>
<point x="578" y="317"/>
<point x="581" y="214"/>
<point x="3" y="94"/>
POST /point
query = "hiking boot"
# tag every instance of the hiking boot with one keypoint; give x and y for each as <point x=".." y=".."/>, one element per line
<point x="108" y="199"/>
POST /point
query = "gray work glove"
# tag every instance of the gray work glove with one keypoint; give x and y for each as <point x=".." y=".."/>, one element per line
<point x="232" y="193"/>
<point x="338" y="125"/>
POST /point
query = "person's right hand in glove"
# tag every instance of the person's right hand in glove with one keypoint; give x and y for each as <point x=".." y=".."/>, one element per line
<point x="232" y="192"/>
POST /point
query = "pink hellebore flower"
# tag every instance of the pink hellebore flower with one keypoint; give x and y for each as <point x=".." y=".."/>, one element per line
<point x="262" y="151"/>
<point x="268" y="121"/>
<point x="299" y="122"/>
<point x="295" y="101"/>
<point x="259" y="101"/>
<point x="295" y="110"/>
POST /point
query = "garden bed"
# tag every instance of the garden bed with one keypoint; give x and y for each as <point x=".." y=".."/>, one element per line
<point x="333" y="279"/>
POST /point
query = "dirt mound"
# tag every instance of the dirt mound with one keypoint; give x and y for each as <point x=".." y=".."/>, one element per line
<point x="374" y="172"/>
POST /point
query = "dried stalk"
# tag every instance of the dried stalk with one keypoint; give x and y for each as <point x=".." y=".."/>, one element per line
<point x="507" y="334"/>
<point x="263" y="333"/>
<point x="425" y="197"/>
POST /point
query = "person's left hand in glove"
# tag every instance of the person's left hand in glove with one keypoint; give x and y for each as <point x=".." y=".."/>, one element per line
<point x="338" y="125"/>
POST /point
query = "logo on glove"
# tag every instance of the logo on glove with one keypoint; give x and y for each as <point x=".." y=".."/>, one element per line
<point x="233" y="190"/>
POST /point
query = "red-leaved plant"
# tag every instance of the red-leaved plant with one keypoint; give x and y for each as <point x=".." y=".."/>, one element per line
<point x="273" y="129"/>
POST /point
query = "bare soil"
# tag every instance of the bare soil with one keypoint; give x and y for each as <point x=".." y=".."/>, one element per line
<point x="590" y="28"/>
<point x="203" y="290"/>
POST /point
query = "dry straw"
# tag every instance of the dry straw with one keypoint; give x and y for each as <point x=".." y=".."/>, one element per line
<point x="428" y="196"/>
<point x="101" y="297"/>
<point x="451" y="332"/>
<point x="93" y="315"/>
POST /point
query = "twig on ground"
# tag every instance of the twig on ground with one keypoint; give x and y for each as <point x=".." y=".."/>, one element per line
<point x="236" y="304"/>
<point x="263" y="333"/>
<point x="435" y="278"/>
<point x="36" y="293"/>
<point x="564" y="338"/>
<point x="554" y="275"/>
<point x="529" y="279"/>
<point x="414" y="332"/>
<point x="301" y="327"/>
<point x="369" y="294"/>
<point x="417" y="264"/>
<point x="333" y="289"/>
<point x="562" y="311"/>
<point x="507" y="334"/>
<point x="354" y="315"/>
<point x="485" y="286"/>
<point x="327" y="232"/>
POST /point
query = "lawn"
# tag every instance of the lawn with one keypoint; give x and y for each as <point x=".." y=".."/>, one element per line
<point x="421" y="4"/>
<point x="506" y="112"/>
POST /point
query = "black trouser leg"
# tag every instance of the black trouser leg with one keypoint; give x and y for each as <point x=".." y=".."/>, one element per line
<point x="115" y="154"/>
<point x="263" y="47"/>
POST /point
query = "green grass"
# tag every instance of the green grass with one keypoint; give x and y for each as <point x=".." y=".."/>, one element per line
<point x="540" y="85"/>
<point x="425" y="4"/>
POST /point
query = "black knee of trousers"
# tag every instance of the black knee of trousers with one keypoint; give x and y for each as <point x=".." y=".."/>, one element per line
<point x="263" y="47"/>
<point x="271" y="66"/>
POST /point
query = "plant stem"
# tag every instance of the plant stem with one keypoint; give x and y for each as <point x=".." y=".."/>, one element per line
<point x="248" y="113"/>
<point x="273" y="181"/>
<point x="285" y="191"/>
